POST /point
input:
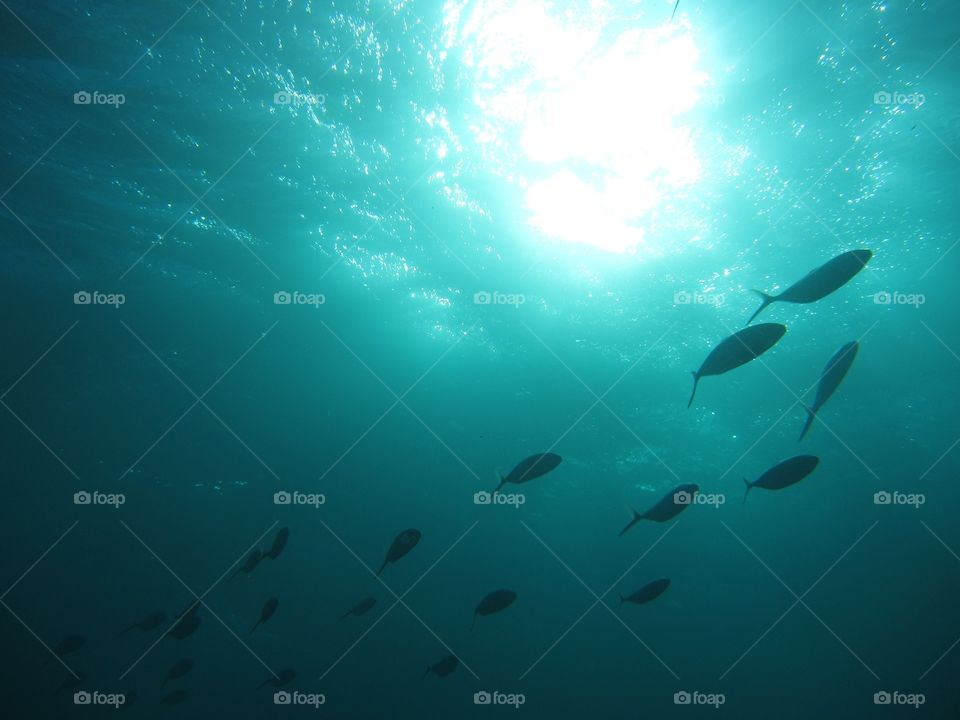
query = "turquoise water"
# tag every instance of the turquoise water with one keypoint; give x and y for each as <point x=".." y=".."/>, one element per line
<point x="504" y="229"/>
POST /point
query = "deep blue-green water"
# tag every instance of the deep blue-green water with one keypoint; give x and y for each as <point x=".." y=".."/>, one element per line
<point x="503" y="229"/>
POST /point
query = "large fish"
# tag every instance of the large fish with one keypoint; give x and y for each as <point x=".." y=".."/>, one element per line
<point x="650" y="591"/>
<point x="830" y="380"/>
<point x="493" y="603"/>
<point x="401" y="545"/>
<point x="740" y="348"/>
<point x="783" y="475"/>
<point x="820" y="282"/>
<point x="529" y="468"/>
<point x="667" y="507"/>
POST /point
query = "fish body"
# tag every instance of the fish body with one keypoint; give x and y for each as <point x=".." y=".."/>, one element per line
<point x="738" y="349"/>
<point x="830" y="379"/>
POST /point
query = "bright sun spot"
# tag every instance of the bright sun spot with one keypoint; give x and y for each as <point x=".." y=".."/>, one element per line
<point x="597" y="112"/>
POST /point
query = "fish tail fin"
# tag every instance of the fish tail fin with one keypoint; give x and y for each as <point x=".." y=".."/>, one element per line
<point x="474" y="621"/>
<point x="381" y="568"/>
<point x="767" y="299"/>
<point x="696" y="379"/>
<point x="501" y="480"/>
<point x="255" y="626"/>
<point x="674" y="10"/>
<point x="746" y="492"/>
<point x="427" y="672"/>
<point x="622" y="601"/>
<point x="806" y="426"/>
<point x="636" y="518"/>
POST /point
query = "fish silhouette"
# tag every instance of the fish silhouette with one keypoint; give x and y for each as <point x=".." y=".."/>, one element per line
<point x="493" y="603"/>
<point x="269" y="608"/>
<point x="401" y="545"/>
<point x="738" y="349"/>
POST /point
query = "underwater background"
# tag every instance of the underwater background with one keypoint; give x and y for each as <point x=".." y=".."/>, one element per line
<point x="371" y="255"/>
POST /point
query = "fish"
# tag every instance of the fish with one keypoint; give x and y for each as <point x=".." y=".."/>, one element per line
<point x="740" y="348"/>
<point x="667" y="507"/>
<point x="190" y="609"/>
<point x="529" y="468"/>
<point x="253" y="559"/>
<point x="175" y="698"/>
<point x="493" y="603"/>
<point x="443" y="668"/>
<point x="185" y="626"/>
<point x="820" y="282"/>
<point x="361" y="608"/>
<point x="282" y="678"/>
<point x="269" y="608"/>
<point x="783" y="475"/>
<point x="830" y="380"/>
<point x="401" y="545"/>
<point x="650" y="591"/>
<point x="279" y="543"/>
<point x="675" y="5"/>
<point x="150" y="622"/>
<point x="178" y="670"/>
<point x="70" y="644"/>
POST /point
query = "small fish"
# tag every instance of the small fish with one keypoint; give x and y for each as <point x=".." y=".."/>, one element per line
<point x="740" y="348"/>
<point x="529" y="468"/>
<point x="178" y="670"/>
<point x="282" y="678"/>
<point x="190" y="609"/>
<point x="253" y="559"/>
<point x="830" y="380"/>
<point x="783" y="475"/>
<point x="650" y="591"/>
<point x="361" y="608"/>
<point x="820" y="282"/>
<point x="269" y="608"/>
<point x="175" y="698"/>
<point x="150" y="622"/>
<point x="667" y="507"/>
<point x="70" y="644"/>
<point x="443" y="668"/>
<point x="493" y="603"/>
<point x="279" y="543"/>
<point x="401" y="545"/>
<point x="185" y="626"/>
